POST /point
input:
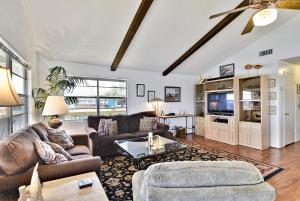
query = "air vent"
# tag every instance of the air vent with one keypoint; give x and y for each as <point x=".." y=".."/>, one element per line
<point x="266" y="52"/>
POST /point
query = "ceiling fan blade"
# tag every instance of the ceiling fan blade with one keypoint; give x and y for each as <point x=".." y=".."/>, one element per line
<point x="250" y="25"/>
<point x="229" y="12"/>
<point x="288" y="4"/>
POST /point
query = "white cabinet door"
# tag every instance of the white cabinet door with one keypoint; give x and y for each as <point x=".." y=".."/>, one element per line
<point x="214" y="133"/>
<point x="256" y="139"/>
<point x="223" y="135"/>
<point x="244" y="136"/>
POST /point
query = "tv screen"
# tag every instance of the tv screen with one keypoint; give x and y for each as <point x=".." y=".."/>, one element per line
<point x="220" y="103"/>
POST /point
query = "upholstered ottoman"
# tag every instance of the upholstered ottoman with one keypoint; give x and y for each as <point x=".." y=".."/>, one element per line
<point x="201" y="181"/>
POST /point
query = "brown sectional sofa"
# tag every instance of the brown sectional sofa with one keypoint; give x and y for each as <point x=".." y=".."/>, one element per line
<point x="18" y="157"/>
<point x="128" y="127"/>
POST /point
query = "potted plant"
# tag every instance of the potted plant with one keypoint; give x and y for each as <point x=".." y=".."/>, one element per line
<point x="58" y="82"/>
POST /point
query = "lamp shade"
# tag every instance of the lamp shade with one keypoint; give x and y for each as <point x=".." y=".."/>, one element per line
<point x="55" y="105"/>
<point x="8" y="94"/>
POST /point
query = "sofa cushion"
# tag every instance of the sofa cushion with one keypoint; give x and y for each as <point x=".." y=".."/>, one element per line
<point x="113" y="128"/>
<point x="188" y="174"/>
<point x="103" y="126"/>
<point x="109" y="139"/>
<point x="17" y="152"/>
<point x="41" y="129"/>
<point x="61" y="137"/>
<point x="133" y="122"/>
<point x="122" y="123"/>
<point x="146" y="125"/>
<point x="45" y="151"/>
<point x="58" y="149"/>
<point x="79" y="150"/>
<point x="76" y="157"/>
<point x="154" y="119"/>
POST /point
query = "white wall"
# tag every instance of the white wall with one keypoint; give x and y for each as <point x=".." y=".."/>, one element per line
<point x="284" y="41"/>
<point x="153" y="81"/>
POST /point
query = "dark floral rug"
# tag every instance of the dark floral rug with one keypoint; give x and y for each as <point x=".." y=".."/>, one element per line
<point x="116" y="172"/>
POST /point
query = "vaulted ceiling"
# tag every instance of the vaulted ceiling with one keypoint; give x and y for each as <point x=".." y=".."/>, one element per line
<point x="91" y="31"/>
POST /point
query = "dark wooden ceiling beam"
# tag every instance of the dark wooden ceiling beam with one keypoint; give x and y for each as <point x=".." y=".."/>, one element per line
<point x="213" y="32"/>
<point x="134" y="26"/>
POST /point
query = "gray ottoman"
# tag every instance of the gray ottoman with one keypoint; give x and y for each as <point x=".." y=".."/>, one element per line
<point x="201" y="181"/>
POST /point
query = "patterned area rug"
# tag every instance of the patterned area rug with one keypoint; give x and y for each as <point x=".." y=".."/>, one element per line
<point x="116" y="172"/>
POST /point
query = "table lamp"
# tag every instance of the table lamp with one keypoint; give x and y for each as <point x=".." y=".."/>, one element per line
<point x="54" y="106"/>
<point x="157" y="104"/>
<point x="8" y="94"/>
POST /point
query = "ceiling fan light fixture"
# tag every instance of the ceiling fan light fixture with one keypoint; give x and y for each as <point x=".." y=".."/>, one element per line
<point x="265" y="17"/>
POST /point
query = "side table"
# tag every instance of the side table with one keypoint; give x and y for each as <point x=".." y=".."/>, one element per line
<point x="67" y="189"/>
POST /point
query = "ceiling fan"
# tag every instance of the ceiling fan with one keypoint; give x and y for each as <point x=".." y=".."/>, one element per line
<point x="266" y="12"/>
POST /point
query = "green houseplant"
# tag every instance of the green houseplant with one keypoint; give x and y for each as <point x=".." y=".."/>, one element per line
<point x="58" y="82"/>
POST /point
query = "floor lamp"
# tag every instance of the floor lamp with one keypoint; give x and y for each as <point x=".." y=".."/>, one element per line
<point x="8" y="94"/>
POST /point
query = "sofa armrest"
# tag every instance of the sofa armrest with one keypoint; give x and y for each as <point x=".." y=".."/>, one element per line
<point x="163" y="128"/>
<point x="50" y="172"/>
<point x="70" y="168"/>
<point x="80" y="139"/>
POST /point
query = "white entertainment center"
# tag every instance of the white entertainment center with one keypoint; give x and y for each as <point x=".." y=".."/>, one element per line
<point x="234" y="110"/>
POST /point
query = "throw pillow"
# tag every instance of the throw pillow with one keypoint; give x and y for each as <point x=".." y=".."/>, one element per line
<point x="103" y="126"/>
<point x="113" y="128"/>
<point x="146" y="125"/>
<point x="59" y="158"/>
<point x="58" y="149"/>
<point x="154" y="119"/>
<point x="45" y="151"/>
<point x="60" y="137"/>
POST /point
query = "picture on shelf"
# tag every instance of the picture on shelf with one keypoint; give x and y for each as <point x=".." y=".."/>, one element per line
<point x="140" y="90"/>
<point x="227" y="70"/>
<point x="172" y="94"/>
<point x="151" y="95"/>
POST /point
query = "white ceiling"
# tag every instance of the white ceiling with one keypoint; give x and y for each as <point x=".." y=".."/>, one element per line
<point x="91" y="31"/>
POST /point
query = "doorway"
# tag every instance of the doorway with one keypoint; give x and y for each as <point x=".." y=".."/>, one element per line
<point x="289" y="73"/>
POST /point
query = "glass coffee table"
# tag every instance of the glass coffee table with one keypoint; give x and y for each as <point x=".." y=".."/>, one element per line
<point x="139" y="150"/>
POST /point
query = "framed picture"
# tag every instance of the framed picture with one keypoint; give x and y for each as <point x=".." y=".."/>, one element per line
<point x="227" y="70"/>
<point x="151" y="95"/>
<point x="272" y="110"/>
<point x="298" y="88"/>
<point x="272" y="96"/>
<point x="140" y="90"/>
<point x="172" y="94"/>
<point x="272" y="83"/>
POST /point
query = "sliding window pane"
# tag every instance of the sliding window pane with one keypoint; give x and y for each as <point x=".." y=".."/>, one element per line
<point x="4" y="128"/>
<point x="19" y="84"/>
<point x="4" y="112"/>
<point x="18" y="69"/>
<point x="80" y="111"/>
<point x="112" y="92"/>
<point x="3" y="58"/>
<point x="19" y="110"/>
<point x="112" y="106"/>
<point x="19" y="122"/>
<point x="119" y="84"/>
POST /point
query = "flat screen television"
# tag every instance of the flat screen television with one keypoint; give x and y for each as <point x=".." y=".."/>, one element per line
<point x="220" y="103"/>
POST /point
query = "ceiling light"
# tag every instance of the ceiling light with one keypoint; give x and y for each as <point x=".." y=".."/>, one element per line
<point x="265" y="17"/>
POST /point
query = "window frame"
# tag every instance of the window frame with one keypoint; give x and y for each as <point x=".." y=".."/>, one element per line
<point x="10" y="116"/>
<point x="98" y="97"/>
